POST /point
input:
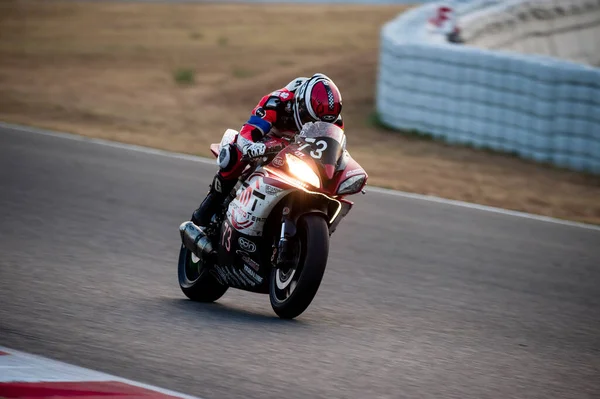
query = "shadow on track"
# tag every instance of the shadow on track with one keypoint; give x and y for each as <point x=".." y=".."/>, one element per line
<point x="226" y="312"/>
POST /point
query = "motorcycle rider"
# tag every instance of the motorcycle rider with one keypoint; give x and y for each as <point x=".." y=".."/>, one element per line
<point x="275" y="121"/>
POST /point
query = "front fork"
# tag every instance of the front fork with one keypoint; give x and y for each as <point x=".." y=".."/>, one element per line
<point x="283" y="256"/>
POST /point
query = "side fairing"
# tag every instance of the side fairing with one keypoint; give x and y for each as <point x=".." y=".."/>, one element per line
<point x="240" y="261"/>
<point x="352" y="168"/>
<point x="254" y="201"/>
<point x="242" y="249"/>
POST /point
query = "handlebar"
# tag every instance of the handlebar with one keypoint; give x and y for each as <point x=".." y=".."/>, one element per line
<point x="267" y="154"/>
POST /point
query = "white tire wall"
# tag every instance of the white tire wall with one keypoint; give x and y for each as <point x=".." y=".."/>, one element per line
<point x="538" y="107"/>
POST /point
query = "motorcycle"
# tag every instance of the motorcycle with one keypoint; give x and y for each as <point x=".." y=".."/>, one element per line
<point x="271" y="235"/>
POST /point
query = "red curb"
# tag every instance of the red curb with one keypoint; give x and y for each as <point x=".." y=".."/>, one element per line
<point x="77" y="390"/>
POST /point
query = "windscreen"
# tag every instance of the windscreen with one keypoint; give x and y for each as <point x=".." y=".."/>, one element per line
<point x="324" y="142"/>
<point x="324" y="129"/>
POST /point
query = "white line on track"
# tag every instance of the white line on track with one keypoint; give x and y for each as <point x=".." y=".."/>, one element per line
<point x="45" y="369"/>
<point x="384" y="191"/>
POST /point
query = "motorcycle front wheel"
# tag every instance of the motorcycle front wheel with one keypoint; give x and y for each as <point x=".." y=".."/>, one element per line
<point x="292" y="290"/>
<point x="195" y="280"/>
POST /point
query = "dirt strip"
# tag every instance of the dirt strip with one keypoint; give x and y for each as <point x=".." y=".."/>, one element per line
<point x="175" y="76"/>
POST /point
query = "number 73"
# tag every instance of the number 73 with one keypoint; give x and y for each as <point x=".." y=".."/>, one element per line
<point x="321" y="146"/>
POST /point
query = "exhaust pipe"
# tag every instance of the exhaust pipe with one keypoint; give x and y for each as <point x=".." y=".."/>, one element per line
<point x="194" y="239"/>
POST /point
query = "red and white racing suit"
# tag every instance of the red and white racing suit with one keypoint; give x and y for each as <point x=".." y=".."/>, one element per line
<point x="272" y="123"/>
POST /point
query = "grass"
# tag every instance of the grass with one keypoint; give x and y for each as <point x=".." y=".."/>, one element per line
<point x="223" y="41"/>
<point x="184" y="76"/>
<point x="243" y="73"/>
<point x="375" y="121"/>
<point x="196" y="35"/>
<point x="108" y="70"/>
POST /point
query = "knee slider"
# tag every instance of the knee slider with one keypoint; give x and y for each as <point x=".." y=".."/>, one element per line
<point x="227" y="157"/>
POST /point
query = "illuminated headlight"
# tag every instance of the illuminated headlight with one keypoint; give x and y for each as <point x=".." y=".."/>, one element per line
<point x="302" y="171"/>
<point x="351" y="185"/>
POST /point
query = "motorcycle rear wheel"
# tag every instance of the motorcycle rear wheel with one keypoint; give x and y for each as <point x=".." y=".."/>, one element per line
<point x="291" y="291"/>
<point x="195" y="281"/>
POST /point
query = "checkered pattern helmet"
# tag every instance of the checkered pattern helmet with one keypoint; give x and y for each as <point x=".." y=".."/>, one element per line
<point x="317" y="99"/>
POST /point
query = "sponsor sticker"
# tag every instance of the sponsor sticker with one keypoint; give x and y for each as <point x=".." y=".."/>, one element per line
<point x="251" y="262"/>
<point x="354" y="172"/>
<point x="245" y="280"/>
<point x="246" y="244"/>
<point x="253" y="274"/>
<point x="245" y="256"/>
<point x="278" y="161"/>
<point x="260" y="112"/>
<point x="224" y="276"/>
<point x="281" y="94"/>
<point x="218" y="274"/>
<point x="272" y="190"/>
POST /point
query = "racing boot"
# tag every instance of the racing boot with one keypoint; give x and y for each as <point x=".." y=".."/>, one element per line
<point x="219" y="189"/>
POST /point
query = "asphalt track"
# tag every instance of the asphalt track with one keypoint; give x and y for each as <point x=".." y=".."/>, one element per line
<point x="420" y="299"/>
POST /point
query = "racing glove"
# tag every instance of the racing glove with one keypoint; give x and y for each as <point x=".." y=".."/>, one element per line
<point x="254" y="150"/>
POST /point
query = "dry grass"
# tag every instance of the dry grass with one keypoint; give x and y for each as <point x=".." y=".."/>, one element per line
<point x="107" y="70"/>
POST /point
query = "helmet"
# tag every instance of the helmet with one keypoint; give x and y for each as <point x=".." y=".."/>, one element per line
<point x="317" y="99"/>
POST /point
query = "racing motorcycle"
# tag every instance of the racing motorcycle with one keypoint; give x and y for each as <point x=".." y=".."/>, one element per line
<point x="271" y="235"/>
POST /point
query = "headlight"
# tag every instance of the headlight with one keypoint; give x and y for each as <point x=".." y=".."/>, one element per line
<point x="351" y="185"/>
<point x="302" y="171"/>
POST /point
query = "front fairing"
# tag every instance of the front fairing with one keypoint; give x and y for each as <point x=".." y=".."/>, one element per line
<point x="324" y="153"/>
<point x="321" y="147"/>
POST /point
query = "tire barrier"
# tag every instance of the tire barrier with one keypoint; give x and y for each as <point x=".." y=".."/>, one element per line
<point x="536" y="106"/>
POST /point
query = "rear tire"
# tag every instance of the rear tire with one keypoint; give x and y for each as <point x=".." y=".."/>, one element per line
<point x="195" y="280"/>
<point x="289" y="301"/>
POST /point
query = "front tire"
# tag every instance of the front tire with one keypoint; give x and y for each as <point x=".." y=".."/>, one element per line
<point x="195" y="280"/>
<point x="291" y="291"/>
